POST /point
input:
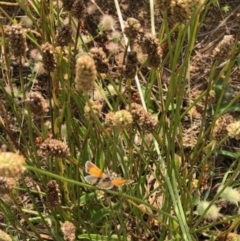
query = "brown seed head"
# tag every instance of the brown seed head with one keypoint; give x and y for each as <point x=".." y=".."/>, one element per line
<point x="48" y="58"/>
<point x="100" y="59"/>
<point x="64" y="35"/>
<point x="37" y="104"/>
<point x="53" y="196"/>
<point x="220" y="129"/>
<point x="53" y="147"/>
<point x="17" y="40"/>
<point x="6" y="185"/>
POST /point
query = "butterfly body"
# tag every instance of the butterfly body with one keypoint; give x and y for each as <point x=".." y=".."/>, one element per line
<point x="102" y="180"/>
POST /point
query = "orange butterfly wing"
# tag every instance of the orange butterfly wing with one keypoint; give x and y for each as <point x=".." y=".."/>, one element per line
<point x="94" y="170"/>
<point x="120" y="181"/>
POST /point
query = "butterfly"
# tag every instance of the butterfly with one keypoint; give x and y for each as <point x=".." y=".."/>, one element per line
<point x="102" y="180"/>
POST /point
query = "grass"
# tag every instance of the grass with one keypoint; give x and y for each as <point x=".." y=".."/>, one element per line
<point x="173" y="165"/>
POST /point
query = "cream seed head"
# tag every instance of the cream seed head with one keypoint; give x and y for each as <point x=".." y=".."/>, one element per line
<point x="11" y="164"/>
<point x="212" y="213"/>
<point x="229" y="194"/>
<point x="85" y="73"/>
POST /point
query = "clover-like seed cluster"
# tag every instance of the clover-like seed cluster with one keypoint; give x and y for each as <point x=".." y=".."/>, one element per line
<point x="67" y="4"/>
<point x="17" y="40"/>
<point x="234" y="130"/>
<point x="53" y="195"/>
<point x="37" y="104"/>
<point x="153" y="49"/>
<point x="85" y="73"/>
<point x="131" y="64"/>
<point x="145" y="119"/>
<point x="11" y="164"/>
<point x="48" y="57"/>
<point x="120" y="119"/>
<point x="68" y="230"/>
<point x="180" y="10"/>
<point x="53" y="147"/>
<point x="223" y="50"/>
<point x="93" y="108"/>
<point x="64" y="35"/>
<point x="4" y="236"/>
<point x="78" y="8"/>
<point x="132" y="28"/>
<point x="100" y="59"/>
<point x="7" y="184"/>
<point x="220" y="129"/>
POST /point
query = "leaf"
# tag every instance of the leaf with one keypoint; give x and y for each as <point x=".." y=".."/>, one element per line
<point x="99" y="215"/>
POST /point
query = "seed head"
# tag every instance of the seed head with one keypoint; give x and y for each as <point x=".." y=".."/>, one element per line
<point x="4" y="236"/>
<point x="48" y="58"/>
<point x="53" y="196"/>
<point x="17" y="40"/>
<point x="212" y="213"/>
<point x="220" y="129"/>
<point x="64" y="35"/>
<point x="53" y="147"/>
<point x="107" y="22"/>
<point x="145" y="119"/>
<point x="95" y="108"/>
<point x="120" y="119"/>
<point x="37" y="104"/>
<point x="230" y="194"/>
<point x="234" y="130"/>
<point x="100" y="59"/>
<point x="68" y="230"/>
<point x="85" y="73"/>
<point x="6" y="185"/>
<point x="132" y="28"/>
<point x="11" y="164"/>
<point x="224" y="48"/>
<point x="79" y="8"/>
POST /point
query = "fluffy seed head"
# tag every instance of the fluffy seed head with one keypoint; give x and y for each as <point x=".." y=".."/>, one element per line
<point x="212" y="213"/>
<point x="230" y="194"/>
<point x="107" y="22"/>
